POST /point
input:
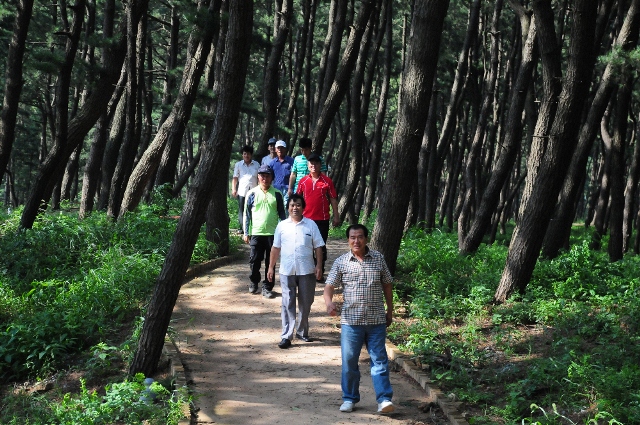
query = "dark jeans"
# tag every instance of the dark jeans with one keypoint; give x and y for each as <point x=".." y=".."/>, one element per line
<point x="323" y="226"/>
<point x="241" y="212"/>
<point x="260" y="249"/>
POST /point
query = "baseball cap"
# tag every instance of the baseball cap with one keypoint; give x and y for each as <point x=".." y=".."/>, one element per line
<point x="265" y="169"/>
<point x="281" y="144"/>
<point x="272" y="141"/>
<point x="314" y="157"/>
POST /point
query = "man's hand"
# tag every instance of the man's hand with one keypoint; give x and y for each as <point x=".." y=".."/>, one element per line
<point x="271" y="274"/>
<point x="234" y="193"/>
<point x="331" y="309"/>
<point x="336" y="221"/>
<point x="245" y="238"/>
<point x="319" y="272"/>
<point x="389" y="317"/>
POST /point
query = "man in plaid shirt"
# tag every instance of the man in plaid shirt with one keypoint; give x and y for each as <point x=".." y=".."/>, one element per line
<point x="366" y="282"/>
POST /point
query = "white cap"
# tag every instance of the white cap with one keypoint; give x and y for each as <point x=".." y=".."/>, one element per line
<point x="281" y="144"/>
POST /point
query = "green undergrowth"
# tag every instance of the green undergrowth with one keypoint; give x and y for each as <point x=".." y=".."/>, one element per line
<point x="565" y="352"/>
<point x="72" y="294"/>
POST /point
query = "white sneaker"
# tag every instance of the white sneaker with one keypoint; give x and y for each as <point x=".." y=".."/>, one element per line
<point x="386" y="407"/>
<point x="347" y="406"/>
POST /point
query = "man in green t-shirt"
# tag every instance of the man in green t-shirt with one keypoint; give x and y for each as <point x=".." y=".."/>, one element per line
<point x="264" y="207"/>
<point x="299" y="168"/>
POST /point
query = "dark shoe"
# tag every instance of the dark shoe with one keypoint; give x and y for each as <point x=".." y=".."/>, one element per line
<point x="253" y="288"/>
<point x="267" y="293"/>
<point x="304" y="338"/>
<point x="285" y="343"/>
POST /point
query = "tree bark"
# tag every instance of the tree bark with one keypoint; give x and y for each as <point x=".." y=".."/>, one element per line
<point x="13" y="81"/>
<point x="546" y="180"/>
<point x="630" y="192"/>
<point x="174" y="126"/>
<point x="215" y="156"/>
<point x="417" y="82"/>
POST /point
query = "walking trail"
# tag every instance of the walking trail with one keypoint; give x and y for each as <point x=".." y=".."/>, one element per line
<point x="228" y="339"/>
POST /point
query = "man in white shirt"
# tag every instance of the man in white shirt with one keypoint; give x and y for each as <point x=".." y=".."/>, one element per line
<point x="245" y="178"/>
<point x="296" y="238"/>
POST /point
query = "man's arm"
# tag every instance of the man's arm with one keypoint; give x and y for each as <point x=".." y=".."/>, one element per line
<point x="275" y="253"/>
<point x="234" y="187"/>
<point x="280" y="205"/>
<point x="328" y="300"/>
<point x="292" y="182"/>
<point x="336" y="213"/>
<point x="248" y="207"/>
<point x="388" y="298"/>
<point x="318" y="263"/>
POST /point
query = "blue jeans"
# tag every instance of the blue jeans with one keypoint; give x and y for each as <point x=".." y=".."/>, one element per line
<point x="351" y="340"/>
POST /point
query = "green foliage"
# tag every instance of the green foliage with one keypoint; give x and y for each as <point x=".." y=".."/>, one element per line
<point x="570" y="342"/>
<point x="123" y="403"/>
<point x="66" y="284"/>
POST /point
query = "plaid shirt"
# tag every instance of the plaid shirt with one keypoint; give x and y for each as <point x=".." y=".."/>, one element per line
<point x="362" y="287"/>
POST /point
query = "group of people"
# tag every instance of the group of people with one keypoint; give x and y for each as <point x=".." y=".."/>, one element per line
<point x="284" y="212"/>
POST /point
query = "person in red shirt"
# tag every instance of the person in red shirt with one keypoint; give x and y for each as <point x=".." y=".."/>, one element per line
<point x="319" y="193"/>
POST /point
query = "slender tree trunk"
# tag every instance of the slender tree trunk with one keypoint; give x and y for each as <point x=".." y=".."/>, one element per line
<point x="511" y="143"/>
<point x="216" y="154"/>
<point x="602" y="205"/>
<point x="417" y="83"/>
<point x="175" y="124"/>
<point x="13" y="81"/>
<point x="546" y="180"/>
<point x="631" y="191"/>
<point x="343" y="75"/>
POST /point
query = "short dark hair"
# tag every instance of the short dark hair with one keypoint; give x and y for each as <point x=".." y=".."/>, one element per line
<point x="358" y="226"/>
<point x="305" y="142"/>
<point x="298" y="197"/>
<point x="247" y="148"/>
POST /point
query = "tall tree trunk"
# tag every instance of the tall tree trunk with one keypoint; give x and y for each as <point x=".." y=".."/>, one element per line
<point x="343" y="75"/>
<point x="175" y="124"/>
<point x="602" y="205"/>
<point x="271" y="86"/>
<point x="13" y="81"/>
<point x="511" y="143"/>
<point x="557" y="235"/>
<point x="618" y="147"/>
<point x="306" y="82"/>
<point x="300" y="51"/>
<point x="215" y="156"/>
<point x="473" y="158"/>
<point x="417" y="83"/>
<point x="546" y="180"/>
<point x="631" y="191"/>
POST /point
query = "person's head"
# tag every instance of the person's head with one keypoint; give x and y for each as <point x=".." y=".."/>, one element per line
<point x="247" y="153"/>
<point x="358" y="236"/>
<point x="305" y="145"/>
<point x="281" y="149"/>
<point x="314" y="164"/>
<point x="272" y="146"/>
<point x="296" y="206"/>
<point x="265" y="177"/>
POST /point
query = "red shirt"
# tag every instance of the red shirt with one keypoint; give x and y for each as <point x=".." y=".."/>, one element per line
<point x="316" y="196"/>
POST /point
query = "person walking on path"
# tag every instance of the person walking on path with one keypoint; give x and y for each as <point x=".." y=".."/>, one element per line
<point x="263" y="207"/>
<point x="266" y="160"/>
<point x="319" y="192"/>
<point x="299" y="168"/>
<point x="245" y="178"/>
<point x="281" y="165"/>
<point x="295" y="241"/>
<point x="366" y="282"/>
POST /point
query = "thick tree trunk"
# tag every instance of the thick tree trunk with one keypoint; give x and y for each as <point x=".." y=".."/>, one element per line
<point x="173" y="127"/>
<point x="215" y="156"/>
<point x="417" y="83"/>
<point x="13" y="81"/>
<point x="546" y="180"/>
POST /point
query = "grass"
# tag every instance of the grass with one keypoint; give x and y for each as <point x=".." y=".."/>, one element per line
<point x="566" y="352"/>
<point x="71" y="297"/>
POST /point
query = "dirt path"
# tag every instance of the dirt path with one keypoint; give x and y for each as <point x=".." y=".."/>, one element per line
<point x="228" y="343"/>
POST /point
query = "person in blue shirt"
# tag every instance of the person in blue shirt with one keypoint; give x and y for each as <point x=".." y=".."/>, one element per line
<point x="281" y="166"/>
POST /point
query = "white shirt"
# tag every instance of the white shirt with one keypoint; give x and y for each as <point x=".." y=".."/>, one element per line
<point x="247" y="176"/>
<point x="297" y="242"/>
